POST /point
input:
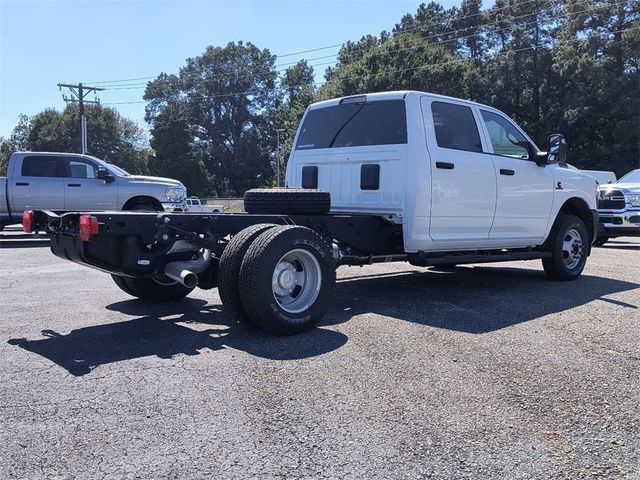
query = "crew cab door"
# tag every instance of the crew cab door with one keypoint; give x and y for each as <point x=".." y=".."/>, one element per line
<point x="83" y="190"/>
<point x="463" y="180"/>
<point x="525" y="190"/>
<point x="37" y="184"/>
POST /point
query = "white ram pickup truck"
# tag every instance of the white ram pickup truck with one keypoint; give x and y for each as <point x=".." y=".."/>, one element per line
<point x="619" y="208"/>
<point x="195" y="205"/>
<point x="398" y="176"/>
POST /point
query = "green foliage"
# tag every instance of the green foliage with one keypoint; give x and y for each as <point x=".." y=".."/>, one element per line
<point x="297" y="91"/>
<point x="212" y="119"/>
<point x="554" y="66"/>
<point x="111" y="137"/>
<point x="569" y="66"/>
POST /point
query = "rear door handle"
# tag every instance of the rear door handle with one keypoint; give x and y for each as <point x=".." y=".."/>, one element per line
<point x="507" y="171"/>
<point x="22" y="184"/>
<point x="445" y="165"/>
<point x="73" y="185"/>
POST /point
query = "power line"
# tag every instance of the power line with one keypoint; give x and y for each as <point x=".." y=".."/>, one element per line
<point x="383" y="72"/>
<point x="419" y="27"/>
<point x="78" y="94"/>
<point x="140" y="86"/>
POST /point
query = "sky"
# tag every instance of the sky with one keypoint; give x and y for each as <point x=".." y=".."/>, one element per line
<point x="43" y="43"/>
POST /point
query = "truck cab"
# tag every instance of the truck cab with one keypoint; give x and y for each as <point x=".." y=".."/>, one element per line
<point x="456" y="174"/>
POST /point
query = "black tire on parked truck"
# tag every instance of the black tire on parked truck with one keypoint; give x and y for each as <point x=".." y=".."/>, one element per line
<point x="287" y="279"/>
<point x="569" y="245"/>
<point x="230" y="263"/>
<point x="149" y="290"/>
<point x="287" y="201"/>
<point x="122" y="285"/>
<point x="600" y="241"/>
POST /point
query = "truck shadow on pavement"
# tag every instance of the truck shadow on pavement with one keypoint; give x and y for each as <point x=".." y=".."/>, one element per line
<point x="469" y="299"/>
<point x="621" y="245"/>
<point x="477" y="300"/>
<point x="165" y="330"/>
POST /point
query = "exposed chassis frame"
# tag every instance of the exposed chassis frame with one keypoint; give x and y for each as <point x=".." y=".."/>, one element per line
<point x="139" y="243"/>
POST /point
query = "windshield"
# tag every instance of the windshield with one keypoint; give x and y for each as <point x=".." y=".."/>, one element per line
<point x="114" y="168"/>
<point x="119" y="170"/>
<point x="632" y="177"/>
<point x="353" y="125"/>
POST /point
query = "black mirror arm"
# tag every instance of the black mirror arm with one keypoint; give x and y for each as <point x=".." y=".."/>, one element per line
<point x="541" y="158"/>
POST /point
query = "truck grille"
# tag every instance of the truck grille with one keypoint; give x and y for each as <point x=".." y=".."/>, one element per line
<point x="613" y="200"/>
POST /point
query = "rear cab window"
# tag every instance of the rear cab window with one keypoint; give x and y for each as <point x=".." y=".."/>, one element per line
<point x="41" y="166"/>
<point x="354" y="124"/>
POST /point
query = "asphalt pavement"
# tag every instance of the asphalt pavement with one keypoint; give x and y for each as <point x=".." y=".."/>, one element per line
<point x="489" y="371"/>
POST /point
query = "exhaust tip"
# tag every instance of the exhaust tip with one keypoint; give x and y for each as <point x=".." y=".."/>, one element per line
<point x="190" y="280"/>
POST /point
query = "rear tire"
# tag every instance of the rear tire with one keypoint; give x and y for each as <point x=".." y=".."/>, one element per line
<point x="600" y="241"/>
<point x="122" y="285"/>
<point x="287" y="279"/>
<point x="230" y="263"/>
<point x="568" y="244"/>
<point x="149" y="290"/>
<point x="287" y="201"/>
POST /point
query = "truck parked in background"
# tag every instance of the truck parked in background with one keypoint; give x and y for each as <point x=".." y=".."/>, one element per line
<point x="195" y="205"/>
<point x="63" y="182"/>
<point x="619" y="208"/>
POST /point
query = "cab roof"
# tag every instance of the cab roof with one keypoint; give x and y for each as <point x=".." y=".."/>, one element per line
<point x="395" y="95"/>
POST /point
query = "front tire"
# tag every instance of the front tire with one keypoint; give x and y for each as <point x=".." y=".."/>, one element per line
<point x="287" y="279"/>
<point x="569" y="244"/>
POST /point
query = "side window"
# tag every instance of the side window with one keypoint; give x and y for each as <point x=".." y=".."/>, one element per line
<point x="455" y="127"/>
<point x="40" y="166"/>
<point x="505" y="137"/>
<point x="82" y="169"/>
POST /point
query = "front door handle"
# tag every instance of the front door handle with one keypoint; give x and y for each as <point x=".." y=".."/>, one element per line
<point x="22" y="184"/>
<point x="507" y="171"/>
<point x="445" y="165"/>
<point x="73" y="185"/>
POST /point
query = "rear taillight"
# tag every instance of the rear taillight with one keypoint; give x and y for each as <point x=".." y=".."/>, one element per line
<point x="88" y="227"/>
<point x="27" y="221"/>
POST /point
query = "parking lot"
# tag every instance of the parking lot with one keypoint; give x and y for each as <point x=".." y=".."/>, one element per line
<point x="487" y="371"/>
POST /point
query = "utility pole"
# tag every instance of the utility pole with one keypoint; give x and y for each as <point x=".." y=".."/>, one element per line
<point x="78" y="94"/>
<point x="278" y="154"/>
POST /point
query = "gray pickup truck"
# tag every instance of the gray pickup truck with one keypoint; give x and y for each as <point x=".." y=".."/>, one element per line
<point x="66" y="182"/>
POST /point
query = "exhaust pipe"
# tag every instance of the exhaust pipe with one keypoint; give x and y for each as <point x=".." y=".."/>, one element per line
<point x="185" y="271"/>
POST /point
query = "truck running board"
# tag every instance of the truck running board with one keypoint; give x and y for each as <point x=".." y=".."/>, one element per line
<point x="425" y="260"/>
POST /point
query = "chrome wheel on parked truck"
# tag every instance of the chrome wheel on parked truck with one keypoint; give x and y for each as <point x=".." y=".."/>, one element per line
<point x="569" y="247"/>
<point x="296" y="281"/>
<point x="286" y="279"/>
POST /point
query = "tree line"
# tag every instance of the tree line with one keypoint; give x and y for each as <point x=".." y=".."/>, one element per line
<point x="567" y="66"/>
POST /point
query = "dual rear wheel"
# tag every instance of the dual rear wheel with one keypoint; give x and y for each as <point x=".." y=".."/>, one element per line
<point x="279" y="277"/>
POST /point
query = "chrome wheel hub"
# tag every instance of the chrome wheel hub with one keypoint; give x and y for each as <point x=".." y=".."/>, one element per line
<point x="284" y="279"/>
<point x="572" y="248"/>
<point x="296" y="281"/>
